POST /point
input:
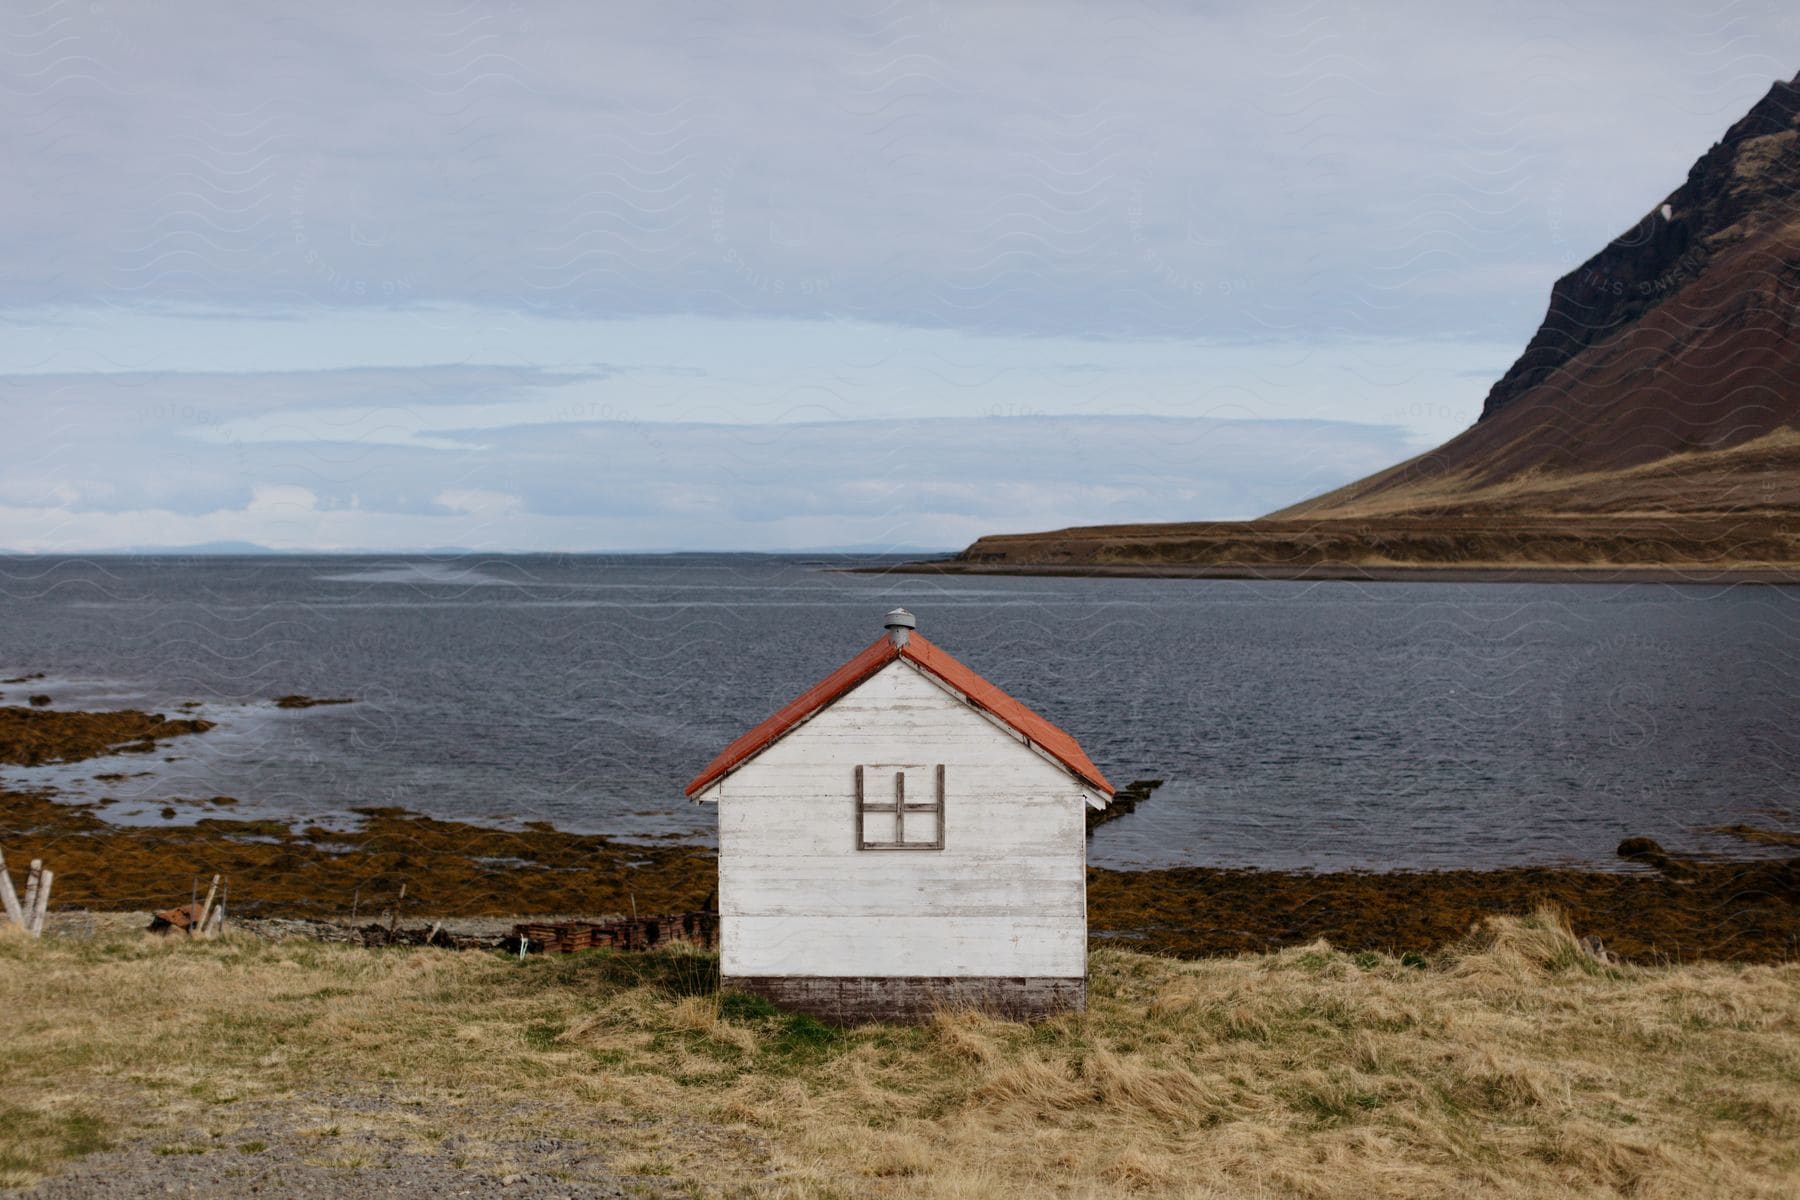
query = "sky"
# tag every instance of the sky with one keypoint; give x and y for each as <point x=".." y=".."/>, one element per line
<point x="582" y="277"/>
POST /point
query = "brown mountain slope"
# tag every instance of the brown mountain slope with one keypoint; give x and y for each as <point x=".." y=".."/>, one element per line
<point x="1652" y="424"/>
<point x="1666" y="374"/>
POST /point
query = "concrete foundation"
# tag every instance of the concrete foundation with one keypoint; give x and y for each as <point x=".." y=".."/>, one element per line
<point x="852" y="1000"/>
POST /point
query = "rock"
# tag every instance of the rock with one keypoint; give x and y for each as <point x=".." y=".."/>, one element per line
<point x="40" y="700"/>
<point x="1662" y="374"/>
<point x="1736" y="189"/>
<point x="1123" y="802"/>
<point x="1641" y="849"/>
<point x="1646" y="851"/>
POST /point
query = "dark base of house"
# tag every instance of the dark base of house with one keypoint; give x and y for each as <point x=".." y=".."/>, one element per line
<point x="854" y="999"/>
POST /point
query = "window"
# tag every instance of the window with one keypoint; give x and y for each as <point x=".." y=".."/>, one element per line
<point x="899" y="807"/>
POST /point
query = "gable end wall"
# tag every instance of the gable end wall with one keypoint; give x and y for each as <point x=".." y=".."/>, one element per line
<point x="1005" y="899"/>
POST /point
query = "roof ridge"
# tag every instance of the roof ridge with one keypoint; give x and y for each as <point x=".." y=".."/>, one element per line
<point x="927" y="655"/>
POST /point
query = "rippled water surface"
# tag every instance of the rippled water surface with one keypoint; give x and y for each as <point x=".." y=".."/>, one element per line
<point x="1298" y="725"/>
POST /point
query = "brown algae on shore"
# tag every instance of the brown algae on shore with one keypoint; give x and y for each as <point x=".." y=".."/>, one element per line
<point x="31" y="737"/>
<point x="448" y="868"/>
<point x="1682" y="911"/>
<point x="1745" y="911"/>
<point x="1748" y="911"/>
<point x="1760" y="837"/>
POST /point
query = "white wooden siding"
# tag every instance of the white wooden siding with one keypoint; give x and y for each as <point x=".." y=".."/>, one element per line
<point x="1006" y="896"/>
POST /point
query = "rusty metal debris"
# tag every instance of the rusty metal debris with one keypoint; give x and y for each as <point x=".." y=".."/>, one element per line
<point x="198" y="919"/>
<point x="625" y="933"/>
<point x="176" y="920"/>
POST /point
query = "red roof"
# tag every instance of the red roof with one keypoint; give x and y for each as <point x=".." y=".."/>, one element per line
<point x="922" y="653"/>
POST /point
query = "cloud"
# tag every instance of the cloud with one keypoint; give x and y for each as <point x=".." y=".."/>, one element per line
<point x="616" y="485"/>
<point x="1058" y="168"/>
<point x="934" y="443"/>
<point x="573" y="276"/>
<point x="477" y="502"/>
<point x="404" y="392"/>
<point x="281" y="499"/>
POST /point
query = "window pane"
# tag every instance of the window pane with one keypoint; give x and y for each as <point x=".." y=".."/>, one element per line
<point x="879" y="826"/>
<point x="921" y="827"/>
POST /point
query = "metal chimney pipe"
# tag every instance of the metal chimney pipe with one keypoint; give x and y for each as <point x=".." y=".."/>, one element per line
<point x="900" y="625"/>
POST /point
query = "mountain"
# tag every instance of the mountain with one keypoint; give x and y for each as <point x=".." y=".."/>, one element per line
<point x="1652" y="424"/>
<point x="1665" y="377"/>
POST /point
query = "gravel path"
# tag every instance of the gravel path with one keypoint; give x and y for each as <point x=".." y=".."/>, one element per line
<point x="373" y="1149"/>
<point x="378" y="1142"/>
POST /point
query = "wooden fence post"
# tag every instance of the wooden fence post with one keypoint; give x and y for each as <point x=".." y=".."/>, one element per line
<point x="8" y="897"/>
<point x="199" y="925"/>
<point x="43" y="902"/>
<point x="31" y="886"/>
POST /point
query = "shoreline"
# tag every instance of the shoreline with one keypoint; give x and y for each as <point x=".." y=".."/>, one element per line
<point x="1573" y="547"/>
<point x="410" y="867"/>
<point x="1744" y="910"/>
<point x="1351" y="572"/>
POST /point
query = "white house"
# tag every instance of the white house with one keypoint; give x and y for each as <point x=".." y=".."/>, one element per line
<point x="904" y="836"/>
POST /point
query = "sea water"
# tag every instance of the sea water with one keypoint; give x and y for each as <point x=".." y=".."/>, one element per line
<point x="1296" y="725"/>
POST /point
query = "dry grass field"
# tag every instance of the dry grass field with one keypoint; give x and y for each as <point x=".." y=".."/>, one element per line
<point x="1514" y="1065"/>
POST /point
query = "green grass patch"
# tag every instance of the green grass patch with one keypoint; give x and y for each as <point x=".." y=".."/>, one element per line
<point x="32" y="1140"/>
<point x="742" y="1006"/>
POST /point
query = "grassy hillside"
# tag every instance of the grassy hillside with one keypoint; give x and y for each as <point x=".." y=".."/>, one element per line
<point x="1515" y="1065"/>
<point x="1744" y="485"/>
<point x="1700" y="545"/>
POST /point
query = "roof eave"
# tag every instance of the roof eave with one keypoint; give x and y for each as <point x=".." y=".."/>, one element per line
<point x="729" y="760"/>
<point x="1095" y="782"/>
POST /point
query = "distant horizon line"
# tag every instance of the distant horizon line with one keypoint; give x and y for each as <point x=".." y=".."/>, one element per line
<point x="461" y="552"/>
